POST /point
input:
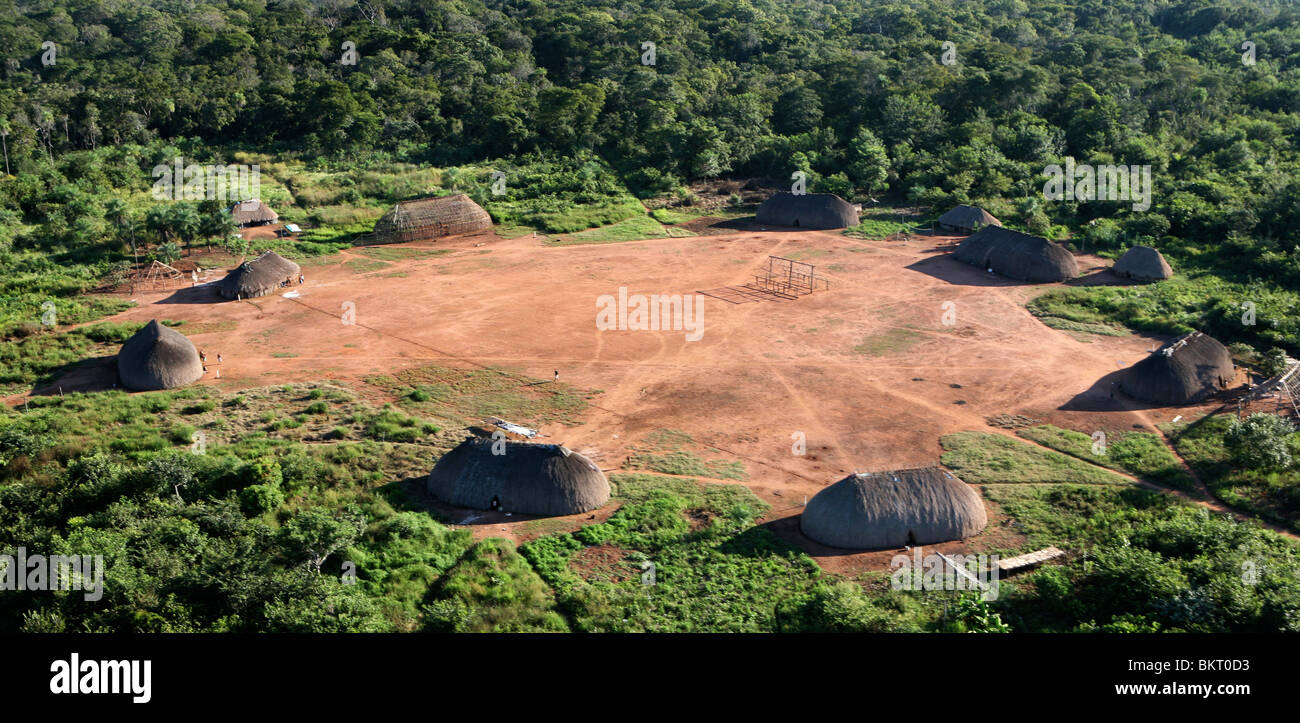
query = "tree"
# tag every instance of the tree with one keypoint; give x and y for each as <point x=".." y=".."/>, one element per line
<point x="868" y="162"/>
<point x="315" y="535"/>
<point x="1260" y="441"/>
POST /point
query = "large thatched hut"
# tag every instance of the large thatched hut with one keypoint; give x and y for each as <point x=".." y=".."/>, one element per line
<point x="534" y="479"/>
<point x="891" y="509"/>
<point x="158" y="358"/>
<point x="259" y="277"/>
<point x="1184" y="371"/>
<point x="1143" y="263"/>
<point x="253" y="213"/>
<point x="1017" y="255"/>
<point x="967" y="219"/>
<point x="807" y="210"/>
<point x="428" y="218"/>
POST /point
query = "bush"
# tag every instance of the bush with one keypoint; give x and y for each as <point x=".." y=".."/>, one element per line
<point x="259" y="499"/>
<point x="1260" y="441"/>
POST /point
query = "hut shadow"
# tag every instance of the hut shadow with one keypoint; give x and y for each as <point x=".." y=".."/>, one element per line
<point x="202" y="294"/>
<point x="1105" y="396"/>
<point x="1104" y="277"/>
<point x="952" y="271"/>
<point x="787" y="530"/>
<point x="740" y="295"/>
<point x="97" y="374"/>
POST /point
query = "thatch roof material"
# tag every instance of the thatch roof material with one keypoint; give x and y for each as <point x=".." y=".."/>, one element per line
<point x="1017" y="255"/>
<point x="158" y="358"/>
<point x="967" y="219"/>
<point x="253" y="213"/>
<point x="808" y="210"/>
<point x="1184" y="371"/>
<point x="891" y="509"/>
<point x="258" y="277"/>
<point x="429" y="218"/>
<point x="534" y="479"/>
<point x="1144" y="264"/>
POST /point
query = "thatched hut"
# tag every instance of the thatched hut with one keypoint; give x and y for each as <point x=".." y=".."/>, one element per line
<point x="891" y="509"/>
<point x="258" y="277"/>
<point x="1184" y="371"/>
<point x="533" y="479"/>
<point x="253" y="213"/>
<point x="1143" y="263"/>
<point x="1017" y="255"/>
<point x="158" y="358"/>
<point x="808" y="210"/>
<point x="428" y="218"/>
<point x="967" y="219"/>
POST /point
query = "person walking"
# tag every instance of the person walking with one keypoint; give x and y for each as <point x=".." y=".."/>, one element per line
<point x="218" y="358"/>
<point x="557" y="375"/>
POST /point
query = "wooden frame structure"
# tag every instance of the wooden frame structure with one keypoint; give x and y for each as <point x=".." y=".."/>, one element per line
<point x="788" y="278"/>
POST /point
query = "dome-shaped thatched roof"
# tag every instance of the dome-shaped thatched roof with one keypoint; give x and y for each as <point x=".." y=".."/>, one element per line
<point x="808" y="210"/>
<point x="891" y="509"/>
<point x="1144" y="264"/>
<point x="533" y="479"/>
<point x="1184" y="371"/>
<point x="258" y="277"/>
<point x="428" y="218"/>
<point x="968" y="219"/>
<point x="158" y="358"/>
<point x="252" y="213"/>
<point x="1017" y="255"/>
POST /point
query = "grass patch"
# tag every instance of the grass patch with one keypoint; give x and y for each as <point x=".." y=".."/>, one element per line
<point x="890" y="341"/>
<point x="1142" y="454"/>
<point x="633" y="229"/>
<point x="980" y="458"/>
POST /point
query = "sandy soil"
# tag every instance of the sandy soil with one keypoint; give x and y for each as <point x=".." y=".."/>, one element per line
<point x="866" y="370"/>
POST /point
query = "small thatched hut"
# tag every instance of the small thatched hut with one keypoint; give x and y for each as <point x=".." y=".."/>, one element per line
<point x="158" y="358"/>
<point x="258" y="277"/>
<point x="1017" y="255"/>
<point x="1143" y="263"/>
<point x="253" y="213"/>
<point x="1184" y="371"/>
<point x="891" y="509"/>
<point x="533" y="479"/>
<point x="967" y="219"/>
<point x="428" y="218"/>
<point x="807" y="210"/>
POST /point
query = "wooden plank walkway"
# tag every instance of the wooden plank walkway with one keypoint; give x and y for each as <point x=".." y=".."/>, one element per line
<point x="1028" y="560"/>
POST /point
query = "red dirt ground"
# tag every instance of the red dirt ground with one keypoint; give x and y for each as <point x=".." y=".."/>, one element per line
<point x="764" y="369"/>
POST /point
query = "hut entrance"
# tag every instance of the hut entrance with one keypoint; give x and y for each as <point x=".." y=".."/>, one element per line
<point x="796" y="223"/>
<point x="496" y="504"/>
<point x="911" y="538"/>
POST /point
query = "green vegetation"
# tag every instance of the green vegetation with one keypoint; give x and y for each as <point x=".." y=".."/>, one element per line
<point x="1142" y="454"/>
<point x="1234" y="469"/>
<point x="980" y="458"/>
<point x="632" y="229"/>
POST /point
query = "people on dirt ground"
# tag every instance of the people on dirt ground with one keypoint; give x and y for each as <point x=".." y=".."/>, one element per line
<point x="557" y="375"/>
<point x="301" y="279"/>
<point x="218" y="358"/>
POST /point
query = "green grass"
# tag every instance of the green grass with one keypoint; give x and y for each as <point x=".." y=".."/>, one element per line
<point x="980" y="458"/>
<point x="42" y="357"/>
<point x="879" y="227"/>
<point x="1142" y="454"/>
<point x="365" y="266"/>
<point x="890" y="341"/>
<point x="632" y="229"/>
<point x="663" y="215"/>
<point x="686" y="463"/>
<point x="469" y="395"/>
